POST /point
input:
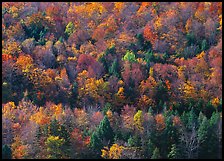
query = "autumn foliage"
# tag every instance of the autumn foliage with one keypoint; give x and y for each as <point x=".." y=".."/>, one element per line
<point x="112" y="80"/>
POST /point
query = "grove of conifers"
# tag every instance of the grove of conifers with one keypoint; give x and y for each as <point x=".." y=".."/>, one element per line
<point x="112" y="80"/>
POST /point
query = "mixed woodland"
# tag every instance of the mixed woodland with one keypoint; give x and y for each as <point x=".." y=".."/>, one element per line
<point x="111" y="80"/>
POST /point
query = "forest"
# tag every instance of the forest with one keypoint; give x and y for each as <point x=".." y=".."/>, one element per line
<point x="111" y="80"/>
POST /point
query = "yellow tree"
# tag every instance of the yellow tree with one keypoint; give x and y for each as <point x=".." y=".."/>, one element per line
<point x="114" y="152"/>
<point x="40" y="117"/>
<point x="57" y="110"/>
<point x="138" y="121"/>
<point x="12" y="48"/>
<point x="24" y="63"/>
<point x="188" y="90"/>
<point x="119" y="97"/>
<point x="7" y="110"/>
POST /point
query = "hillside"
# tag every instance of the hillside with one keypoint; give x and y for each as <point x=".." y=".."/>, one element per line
<point x="112" y="80"/>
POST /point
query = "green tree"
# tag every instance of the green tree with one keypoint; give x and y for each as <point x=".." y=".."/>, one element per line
<point x="190" y="39"/>
<point x="96" y="143"/>
<point x="129" y="56"/>
<point x="173" y="154"/>
<point x="134" y="141"/>
<point x="150" y="148"/>
<point x="6" y="152"/>
<point x="69" y="29"/>
<point x="56" y="129"/>
<point x="204" y="45"/>
<point x="203" y="129"/>
<point x="35" y="26"/>
<point x="54" y="147"/>
<point x="156" y="154"/>
<point x="105" y="130"/>
<point x="142" y="44"/>
<point x="106" y="108"/>
<point x="74" y="95"/>
<point x="213" y="140"/>
<point x="103" y="136"/>
<point x="149" y="57"/>
<point x="114" y="68"/>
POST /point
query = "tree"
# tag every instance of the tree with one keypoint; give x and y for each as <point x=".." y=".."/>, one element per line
<point x="74" y="95"/>
<point x="149" y="34"/>
<point x="81" y="118"/>
<point x="56" y="129"/>
<point x="34" y="25"/>
<point x="213" y="139"/>
<point x="156" y="154"/>
<point x="6" y="152"/>
<point x="189" y="143"/>
<point x="115" y="152"/>
<point x="69" y="29"/>
<point x="54" y="147"/>
<point x="19" y="150"/>
<point x="105" y="130"/>
<point x="129" y="56"/>
<point x="149" y="58"/>
<point x="138" y="121"/>
<point x="96" y="143"/>
<point x="142" y="43"/>
<point x="103" y="136"/>
<point x="173" y="154"/>
<point x="96" y="118"/>
<point x="134" y="141"/>
<point x="203" y="136"/>
<point x="114" y="69"/>
<point x="127" y="116"/>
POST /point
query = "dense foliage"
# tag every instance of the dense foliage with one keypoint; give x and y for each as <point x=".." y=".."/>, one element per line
<point x="111" y="80"/>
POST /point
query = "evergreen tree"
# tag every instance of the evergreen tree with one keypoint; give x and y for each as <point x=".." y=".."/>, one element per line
<point x="6" y="152"/>
<point x="134" y="141"/>
<point x="203" y="136"/>
<point x="129" y="56"/>
<point x="114" y="68"/>
<point x="204" y="45"/>
<point x="173" y="154"/>
<point x="96" y="144"/>
<point x="69" y="29"/>
<point x="54" y="147"/>
<point x="105" y="130"/>
<point x="149" y="57"/>
<point x="213" y="140"/>
<point x="55" y="129"/>
<point x="151" y="147"/>
<point x="156" y="154"/>
<point x="74" y="95"/>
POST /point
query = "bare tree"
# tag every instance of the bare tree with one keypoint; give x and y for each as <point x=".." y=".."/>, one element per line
<point x="190" y="142"/>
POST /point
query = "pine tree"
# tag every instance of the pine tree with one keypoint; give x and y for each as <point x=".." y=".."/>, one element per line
<point x="114" y="68"/>
<point x="55" y="129"/>
<point x="156" y="154"/>
<point x="54" y="147"/>
<point x="203" y="136"/>
<point x="96" y="143"/>
<point x="129" y="56"/>
<point x="151" y="146"/>
<point x="173" y="154"/>
<point x="69" y="29"/>
<point x="6" y="152"/>
<point x="105" y="130"/>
